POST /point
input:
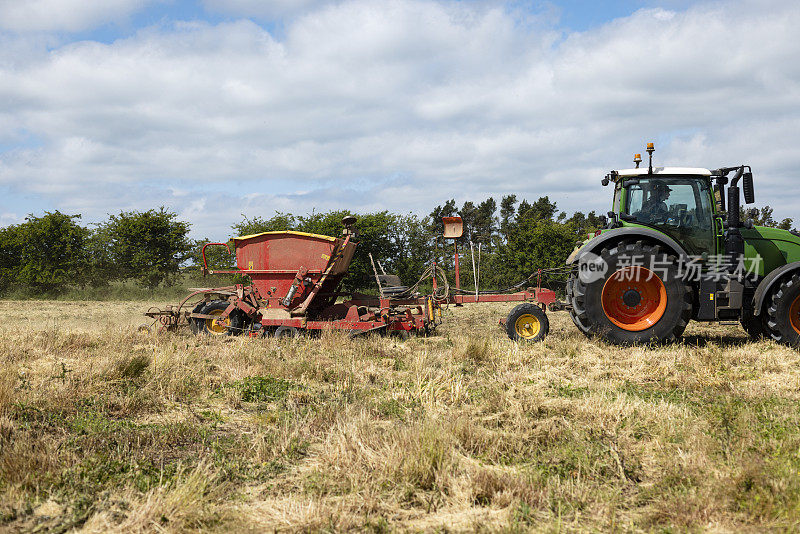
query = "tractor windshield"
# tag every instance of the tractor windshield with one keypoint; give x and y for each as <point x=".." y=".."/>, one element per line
<point x="681" y="207"/>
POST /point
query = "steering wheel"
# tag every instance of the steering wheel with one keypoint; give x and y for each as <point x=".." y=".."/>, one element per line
<point x="680" y="220"/>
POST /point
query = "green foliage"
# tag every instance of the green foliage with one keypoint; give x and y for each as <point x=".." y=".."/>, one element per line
<point x="376" y="235"/>
<point x="280" y="222"/>
<point x="583" y="224"/>
<point x="262" y="388"/>
<point x="542" y="209"/>
<point x="147" y="246"/>
<point x="217" y="257"/>
<point x="507" y="211"/>
<point x="414" y="249"/>
<point x="763" y="217"/>
<point x="43" y="253"/>
<point x="526" y="236"/>
<point x="10" y="256"/>
<point x="537" y="244"/>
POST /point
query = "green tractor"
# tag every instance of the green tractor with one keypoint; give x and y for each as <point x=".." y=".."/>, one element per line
<point x="672" y="251"/>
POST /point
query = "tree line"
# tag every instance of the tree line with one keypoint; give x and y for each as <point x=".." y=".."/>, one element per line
<point x="513" y="242"/>
<point x="54" y="252"/>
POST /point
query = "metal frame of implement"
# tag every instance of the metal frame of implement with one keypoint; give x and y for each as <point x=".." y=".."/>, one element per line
<point x="294" y="285"/>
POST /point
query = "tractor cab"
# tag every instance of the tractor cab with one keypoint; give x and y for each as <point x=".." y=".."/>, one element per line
<point x="677" y="201"/>
<point x="674" y="200"/>
<point x="685" y="203"/>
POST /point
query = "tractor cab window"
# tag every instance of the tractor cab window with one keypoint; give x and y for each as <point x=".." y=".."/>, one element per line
<point x="681" y="207"/>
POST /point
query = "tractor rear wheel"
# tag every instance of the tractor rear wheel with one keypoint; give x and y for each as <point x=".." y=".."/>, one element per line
<point x="638" y="298"/>
<point x="783" y="313"/>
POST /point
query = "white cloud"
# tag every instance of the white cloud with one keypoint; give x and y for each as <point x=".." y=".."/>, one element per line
<point x="7" y="219"/>
<point x="68" y="15"/>
<point x="400" y="105"/>
<point x="263" y="8"/>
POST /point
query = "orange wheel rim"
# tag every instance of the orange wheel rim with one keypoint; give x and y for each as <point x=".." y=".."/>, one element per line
<point x="794" y="314"/>
<point x="634" y="299"/>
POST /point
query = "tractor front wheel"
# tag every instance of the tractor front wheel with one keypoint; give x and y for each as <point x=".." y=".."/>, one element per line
<point x="783" y="313"/>
<point x="754" y="326"/>
<point x="637" y="296"/>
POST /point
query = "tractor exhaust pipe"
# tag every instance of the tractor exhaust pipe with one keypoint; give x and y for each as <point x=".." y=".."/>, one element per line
<point x="734" y="244"/>
<point x="734" y="219"/>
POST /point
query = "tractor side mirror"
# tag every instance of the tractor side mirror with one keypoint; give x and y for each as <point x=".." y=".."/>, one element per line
<point x="719" y="198"/>
<point x="748" y="189"/>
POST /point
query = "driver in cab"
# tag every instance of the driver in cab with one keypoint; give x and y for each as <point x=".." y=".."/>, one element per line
<point x="655" y="207"/>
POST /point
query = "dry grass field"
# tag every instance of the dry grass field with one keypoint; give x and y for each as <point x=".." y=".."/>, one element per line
<point x="103" y="428"/>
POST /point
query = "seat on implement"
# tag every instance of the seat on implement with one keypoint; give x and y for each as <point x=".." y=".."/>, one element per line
<point x="391" y="285"/>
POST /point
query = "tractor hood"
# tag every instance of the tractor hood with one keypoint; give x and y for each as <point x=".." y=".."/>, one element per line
<point x="776" y="247"/>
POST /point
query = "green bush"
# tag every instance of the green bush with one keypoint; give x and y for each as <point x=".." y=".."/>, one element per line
<point x="44" y="254"/>
<point x="148" y="246"/>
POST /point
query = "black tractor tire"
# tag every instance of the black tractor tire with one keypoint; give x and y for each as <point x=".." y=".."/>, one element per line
<point x="783" y="312"/>
<point x="527" y="322"/>
<point x="591" y="317"/>
<point x="754" y="326"/>
<point x="197" y="324"/>
<point x="236" y="319"/>
<point x="576" y="290"/>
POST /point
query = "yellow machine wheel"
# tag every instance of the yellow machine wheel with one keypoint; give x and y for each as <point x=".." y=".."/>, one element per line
<point x="527" y="322"/>
<point x="232" y="325"/>
<point x="215" y="328"/>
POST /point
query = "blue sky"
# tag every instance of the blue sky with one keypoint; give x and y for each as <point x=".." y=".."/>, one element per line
<point x="568" y="15"/>
<point x="218" y="108"/>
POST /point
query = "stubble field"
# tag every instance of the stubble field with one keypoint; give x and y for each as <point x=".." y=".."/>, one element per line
<point x="103" y="428"/>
